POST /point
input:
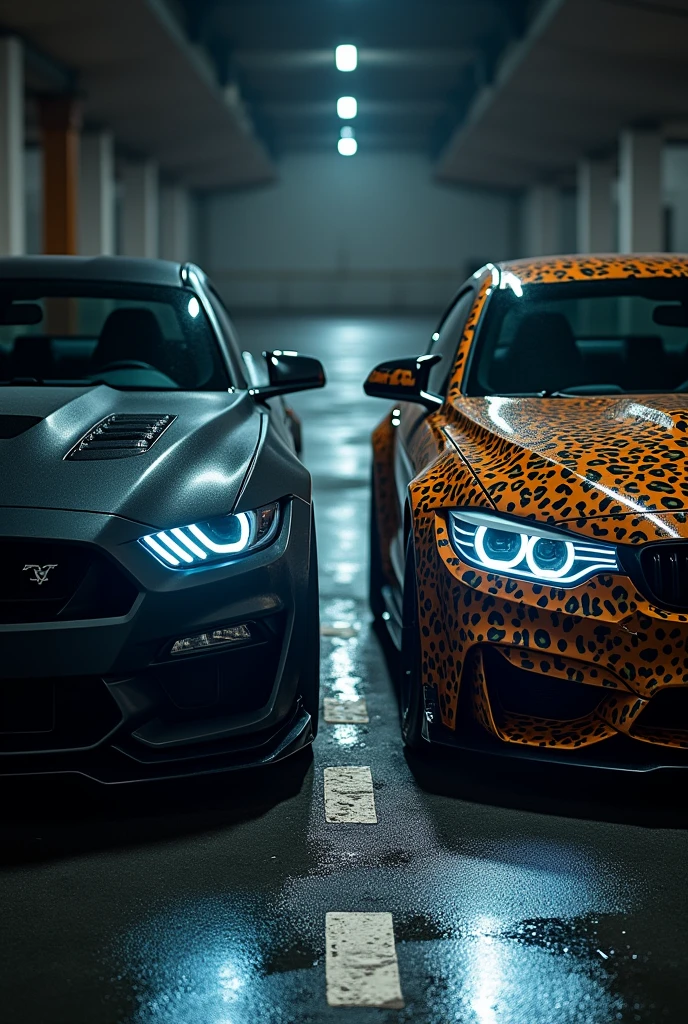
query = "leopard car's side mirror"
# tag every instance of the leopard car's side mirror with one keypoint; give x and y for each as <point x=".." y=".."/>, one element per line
<point x="404" y="380"/>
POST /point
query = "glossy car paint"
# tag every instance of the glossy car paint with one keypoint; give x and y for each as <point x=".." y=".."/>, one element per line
<point x="609" y="468"/>
<point x="224" y="452"/>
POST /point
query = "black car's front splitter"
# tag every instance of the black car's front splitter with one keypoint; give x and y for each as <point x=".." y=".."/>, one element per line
<point x="112" y="765"/>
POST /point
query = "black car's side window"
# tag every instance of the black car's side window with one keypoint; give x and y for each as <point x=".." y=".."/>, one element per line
<point x="448" y="342"/>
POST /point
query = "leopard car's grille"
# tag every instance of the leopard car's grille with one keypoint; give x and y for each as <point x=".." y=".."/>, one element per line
<point x="121" y="436"/>
<point x="665" y="572"/>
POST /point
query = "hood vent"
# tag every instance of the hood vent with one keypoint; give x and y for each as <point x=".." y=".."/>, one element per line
<point x="121" y="436"/>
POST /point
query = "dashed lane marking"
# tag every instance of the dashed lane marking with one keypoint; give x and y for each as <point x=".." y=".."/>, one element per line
<point x="361" y="965"/>
<point x="349" y="796"/>
<point x="341" y="632"/>
<point x="345" y="711"/>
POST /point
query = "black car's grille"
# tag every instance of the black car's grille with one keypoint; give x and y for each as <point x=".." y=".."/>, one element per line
<point x="665" y="571"/>
<point x="121" y="436"/>
<point x="44" y="581"/>
<point x="55" y="714"/>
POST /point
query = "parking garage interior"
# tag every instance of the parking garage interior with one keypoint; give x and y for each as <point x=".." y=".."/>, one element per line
<point x="213" y="132"/>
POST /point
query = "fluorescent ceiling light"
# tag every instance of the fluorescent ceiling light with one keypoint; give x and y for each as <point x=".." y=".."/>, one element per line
<point x="346" y="57"/>
<point x="347" y="147"/>
<point x="347" y="108"/>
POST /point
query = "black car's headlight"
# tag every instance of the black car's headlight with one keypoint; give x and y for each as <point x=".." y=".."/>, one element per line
<point x="215" y="540"/>
<point x="527" y="552"/>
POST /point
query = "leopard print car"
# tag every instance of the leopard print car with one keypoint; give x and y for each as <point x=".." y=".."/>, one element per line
<point x="591" y="666"/>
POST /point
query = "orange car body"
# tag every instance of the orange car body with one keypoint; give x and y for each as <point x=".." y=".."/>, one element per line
<point x="498" y="654"/>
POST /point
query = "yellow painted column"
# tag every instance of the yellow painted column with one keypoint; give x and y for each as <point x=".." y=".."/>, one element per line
<point x="60" y="125"/>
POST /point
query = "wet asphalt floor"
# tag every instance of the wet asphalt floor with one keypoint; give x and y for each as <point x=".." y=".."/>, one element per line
<point x="519" y="895"/>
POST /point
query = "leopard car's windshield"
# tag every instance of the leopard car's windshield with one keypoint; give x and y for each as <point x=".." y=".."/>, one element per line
<point x="124" y="335"/>
<point x="594" y="338"/>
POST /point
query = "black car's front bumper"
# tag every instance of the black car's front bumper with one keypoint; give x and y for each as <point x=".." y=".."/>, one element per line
<point x="105" y="697"/>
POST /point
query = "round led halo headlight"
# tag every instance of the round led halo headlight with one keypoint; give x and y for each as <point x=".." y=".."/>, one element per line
<point x="483" y="541"/>
<point x="229" y="525"/>
<point x="559" y="553"/>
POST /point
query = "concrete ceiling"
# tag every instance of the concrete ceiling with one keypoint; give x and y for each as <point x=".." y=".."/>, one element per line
<point x="420" y="61"/>
<point x="584" y="70"/>
<point x="139" y="76"/>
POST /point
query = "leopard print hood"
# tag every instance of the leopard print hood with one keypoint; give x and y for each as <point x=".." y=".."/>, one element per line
<point x="567" y="459"/>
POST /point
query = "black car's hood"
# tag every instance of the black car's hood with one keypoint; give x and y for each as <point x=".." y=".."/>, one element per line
<point x="194" y="471"/>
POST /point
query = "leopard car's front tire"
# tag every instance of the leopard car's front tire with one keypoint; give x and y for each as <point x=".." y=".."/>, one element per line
<point x="411" y="705"/>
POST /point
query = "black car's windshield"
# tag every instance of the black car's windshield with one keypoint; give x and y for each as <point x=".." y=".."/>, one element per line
<point x="126" y="336"/>
<point x="597" y="337"/>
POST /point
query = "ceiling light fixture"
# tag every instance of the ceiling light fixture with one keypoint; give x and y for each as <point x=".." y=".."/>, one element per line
<point x="347" y="108"/>
<point x="346" y="57"/>
<point x="347" y="146"/>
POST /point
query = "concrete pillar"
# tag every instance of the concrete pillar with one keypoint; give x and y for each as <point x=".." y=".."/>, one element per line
<point x="140" y="209"/>
<point x="640" y="196"/>
<point x="541" y="226"/>
<point x="595" y="206"/>
<point x="97" y="195"/>
<point x="60" y="124"/>
<point x="174" y="223"/>
<point x="12" y="196"/>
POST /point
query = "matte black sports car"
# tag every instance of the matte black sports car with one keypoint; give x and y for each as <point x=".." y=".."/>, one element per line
<point x="158" y="573"/>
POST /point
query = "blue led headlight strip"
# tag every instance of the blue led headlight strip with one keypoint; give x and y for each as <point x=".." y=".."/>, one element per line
<point x="189" y="547"/>
<point x="470" y="534"/>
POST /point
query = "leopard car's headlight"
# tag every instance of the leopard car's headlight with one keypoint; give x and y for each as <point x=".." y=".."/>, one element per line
<point x="215" y="540"/>
<point x="527" y="552"/>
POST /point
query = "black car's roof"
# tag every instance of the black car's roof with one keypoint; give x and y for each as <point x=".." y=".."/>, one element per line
<point x="88" y="268"/>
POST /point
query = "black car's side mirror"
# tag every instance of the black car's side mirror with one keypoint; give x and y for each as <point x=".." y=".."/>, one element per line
<point x="289" y="372"/>
<point x="404" y="380"/>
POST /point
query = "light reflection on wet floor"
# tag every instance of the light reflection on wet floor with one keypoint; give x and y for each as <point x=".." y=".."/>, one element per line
<point x="514" y="902"/>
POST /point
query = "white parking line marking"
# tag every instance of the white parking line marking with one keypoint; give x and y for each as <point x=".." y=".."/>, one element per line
<point x="345" y="711"/>
<point x="341" y="632"/>
<point x="349" y="796"/>
<point x="361" y="966"/>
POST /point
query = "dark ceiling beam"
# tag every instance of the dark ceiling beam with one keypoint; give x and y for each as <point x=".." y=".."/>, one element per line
<point x="299" y="60"/>
<point x="326" y="142"/>
<point x="43" y="73"/>
<point x="514" y="14"/>
<point x="366" y="108"/>
<point x="514" y="22"/>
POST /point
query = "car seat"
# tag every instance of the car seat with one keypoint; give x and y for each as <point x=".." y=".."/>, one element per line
<point x="32" y="357"/>
<point x="131" y="334"/>
<point x="543" y="356"/>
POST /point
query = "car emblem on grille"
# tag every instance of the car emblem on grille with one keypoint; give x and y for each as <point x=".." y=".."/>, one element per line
<point x="40" y="573"/>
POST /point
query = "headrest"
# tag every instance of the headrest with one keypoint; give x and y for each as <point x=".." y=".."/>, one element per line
<point x="543" y="355"/>
<point x="32" y="356"/>
<point x="130" y="334"/>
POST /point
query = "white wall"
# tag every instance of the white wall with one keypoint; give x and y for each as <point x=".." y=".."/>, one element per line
<point x="351" y="233"/>
<point x="675" y="189"/>
<point x="33" y="184"/>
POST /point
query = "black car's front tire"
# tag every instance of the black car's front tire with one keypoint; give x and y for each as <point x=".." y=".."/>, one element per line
<point x="310" y="673"/>
<point x="411" y="706"/>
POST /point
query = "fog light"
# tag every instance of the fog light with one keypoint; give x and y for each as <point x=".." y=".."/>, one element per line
<point x="228" y="635"/>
